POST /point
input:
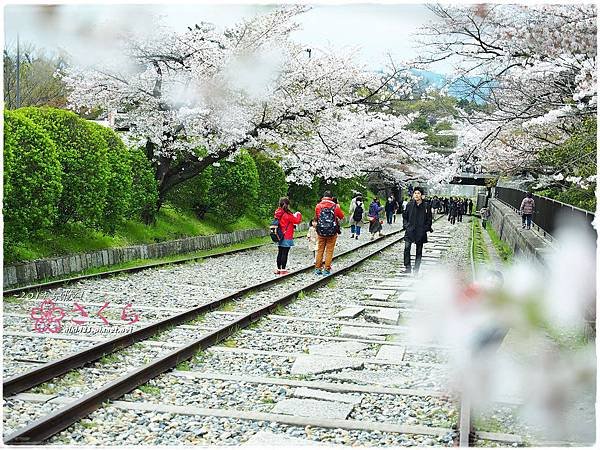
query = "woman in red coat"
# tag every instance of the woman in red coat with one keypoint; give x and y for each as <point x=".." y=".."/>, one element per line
<point x="287" y="220"/>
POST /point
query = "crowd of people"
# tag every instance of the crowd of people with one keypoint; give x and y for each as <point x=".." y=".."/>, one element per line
<point x="454" y="207"/>
<point x="417" y="217"/>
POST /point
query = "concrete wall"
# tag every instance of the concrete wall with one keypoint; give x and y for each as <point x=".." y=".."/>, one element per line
<point x="507" y="224"/>
<point x="64" y="265"/>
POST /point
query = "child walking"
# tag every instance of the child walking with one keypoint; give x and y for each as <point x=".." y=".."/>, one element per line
<point x="312" y="238"/>
<point x="287" y="220"/>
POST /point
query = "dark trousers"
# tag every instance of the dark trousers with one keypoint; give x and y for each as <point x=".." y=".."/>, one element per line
<point x="282" y="257"/>
<point x="407" y="246"/>
<point x="526" y="220"/>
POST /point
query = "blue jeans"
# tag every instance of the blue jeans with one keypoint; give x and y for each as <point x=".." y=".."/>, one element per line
<point x="526" y="218"/>
<point x="355" y="229"/>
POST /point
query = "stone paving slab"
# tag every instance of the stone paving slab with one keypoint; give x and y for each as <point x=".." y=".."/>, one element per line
<point x="380" y="291"/>
<point x="353" y="399"/>
<point x="380" y="296"/>
<point x="315" y="364"/>
<point x="336" y="322"/>
<point x="391" y="352"/>
<point x="389" y="316"/>
<point x="397" y="287"/>
<point x="269" y="439"/>
<point x="336" y="349"/>
<point x="370" y="377"/>
<point x="393" y="281"/>
<point x="319" y="385"/>
<point x="313" y="408"/>
<point x="349" y="313"/>
<point x="361" y="332"/>
<point x="268" y="417"/>
<point x="368" y="303"/>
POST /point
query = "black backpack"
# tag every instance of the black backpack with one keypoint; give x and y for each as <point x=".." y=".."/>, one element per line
<point x="326" y="223"/>
<point x="275" y="231"/>
<point x="358" y="213"/>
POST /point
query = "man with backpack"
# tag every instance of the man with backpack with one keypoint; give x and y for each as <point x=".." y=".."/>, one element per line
<point x="328" y="215"/>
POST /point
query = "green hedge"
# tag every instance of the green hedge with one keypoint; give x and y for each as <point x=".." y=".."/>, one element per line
<point x="192" y="194"/>
<point x="62" y="169"/>
<point x="32" y="179"/>
<point x="119" y="192"/>
<point x="86" y="170"/>
<point x="144" y="197"/>
<point x="272" y="184"/>
<point x="234" y="188"/>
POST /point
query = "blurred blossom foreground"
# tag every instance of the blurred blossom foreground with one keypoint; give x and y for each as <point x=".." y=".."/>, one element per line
<point x="522" y="335"/>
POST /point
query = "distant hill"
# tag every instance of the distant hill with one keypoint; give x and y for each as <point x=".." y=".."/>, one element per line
<point x="458" y="89"/>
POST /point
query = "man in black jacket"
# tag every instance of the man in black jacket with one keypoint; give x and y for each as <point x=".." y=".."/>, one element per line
<point x="417" y="219"/>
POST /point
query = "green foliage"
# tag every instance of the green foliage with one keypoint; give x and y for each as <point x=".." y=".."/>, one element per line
<point x="429" y="121"/>
<point x="144" y="198"/>
<point x="504" y="250"/>
<point x="480" y="252"/>
<point x="120" y="182"/>
<point x="575" y="157"/>
<point x="192" y="195"/>
<point x="32" y="179"/>
<point x="83" y="155"/>
<point x="272" y="184"/>
<point x="572" y="195"/>
<point x="234" y="188"/>
<point x="39" y="85"/>
<point x="305" y="195"/>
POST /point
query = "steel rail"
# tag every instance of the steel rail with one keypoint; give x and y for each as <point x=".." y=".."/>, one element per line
<point x="38" y="375"/>
<point x="45" y="427"/>
<point x="466" y="432"/>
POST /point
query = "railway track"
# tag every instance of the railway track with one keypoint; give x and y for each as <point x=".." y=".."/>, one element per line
<point x="276" y="354"/>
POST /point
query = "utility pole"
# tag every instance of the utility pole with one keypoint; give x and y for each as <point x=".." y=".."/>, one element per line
<point x="18" y="74"/>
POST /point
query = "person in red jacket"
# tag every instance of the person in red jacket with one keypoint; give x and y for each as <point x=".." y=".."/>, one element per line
<point x="328" y="215"/>
<point x="287" y="220"/>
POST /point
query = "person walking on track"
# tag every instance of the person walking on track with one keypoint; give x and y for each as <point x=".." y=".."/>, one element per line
<point x="527" y="208"/>
<point x="390" y="208"/>
<point x="328" y="215"/>
<point x="417" y="220"/>
<point x="374" y="222"/>
<point x="357" y="212"/>
<point x="287" y="220"/>
<point x="452" y="210"/>
<point x="485" y="216"/>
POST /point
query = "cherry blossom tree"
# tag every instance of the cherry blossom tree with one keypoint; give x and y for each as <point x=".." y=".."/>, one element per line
<point x="192" y="99"/>
<point x="535" y="67"/>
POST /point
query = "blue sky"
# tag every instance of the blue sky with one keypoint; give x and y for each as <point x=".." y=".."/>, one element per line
<point x="376" y="29"/>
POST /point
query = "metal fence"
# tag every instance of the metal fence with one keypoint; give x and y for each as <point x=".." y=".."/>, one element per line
<point x="547" y="210"/>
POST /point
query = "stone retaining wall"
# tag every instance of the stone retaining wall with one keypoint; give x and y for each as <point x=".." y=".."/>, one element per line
<point x="507" y="224"/>
<point x="64" y="265"/>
